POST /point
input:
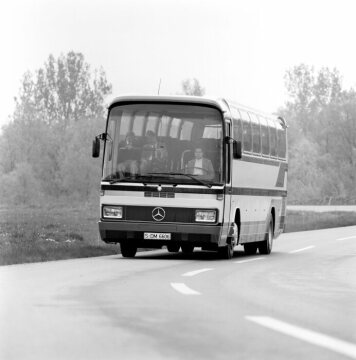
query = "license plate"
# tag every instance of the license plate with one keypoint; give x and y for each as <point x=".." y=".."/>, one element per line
<point x="157" y="236"/>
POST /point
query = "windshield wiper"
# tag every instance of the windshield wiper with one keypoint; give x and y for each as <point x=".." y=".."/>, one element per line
<point x="200" y="181"/>
<point x="116" y="180"/>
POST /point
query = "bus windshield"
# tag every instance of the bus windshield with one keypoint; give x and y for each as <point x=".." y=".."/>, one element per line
<point x="165" y="143"/>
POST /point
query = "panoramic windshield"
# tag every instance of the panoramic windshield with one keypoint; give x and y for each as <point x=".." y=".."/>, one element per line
<point x="169" y="143"/>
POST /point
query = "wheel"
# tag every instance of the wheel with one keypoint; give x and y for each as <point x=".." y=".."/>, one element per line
<point x="187" y="248"/>
<point x="250" y="248"/>
<point x="173" y="248"/>
<point x="227" y="251"/>
<point x="265" y="246"/>
<point x="128" y="250"/>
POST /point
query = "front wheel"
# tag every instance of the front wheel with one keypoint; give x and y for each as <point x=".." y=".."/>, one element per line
<point x="128" y="250"/>
<point x="265" y="246"/>
<point x="187" y="248"/>
<point x="227" y="251"/>
<point x="173" y="248"/>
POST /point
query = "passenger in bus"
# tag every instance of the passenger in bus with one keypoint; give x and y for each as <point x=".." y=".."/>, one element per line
<point x="200" y="165"/>
<point x="154" y="155"/>
<point x="128" y="150"/>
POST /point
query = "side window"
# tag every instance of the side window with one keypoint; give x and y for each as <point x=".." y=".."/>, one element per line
<point x="256" y="134"/>
<point x="174" y="128"/>
<point x="164" y="125"/>
<point x="246" y="131"/>
<point x="186" y="132"/>
<point x="138" y="124"/>
<point x="281" y="142"/>
<point x="237" y="125"/>
<point x="273" y="137"/>
<point x="151" y="123"/>
<point x="264" y="136"/>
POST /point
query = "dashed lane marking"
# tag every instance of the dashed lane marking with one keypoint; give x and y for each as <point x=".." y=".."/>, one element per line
<point x="346" y="238"/>
<point x="196" y="272"/>
<point x="312" y="337"/>
<point x="303" y="249"/>
<point x="248" y="260"/>
<point x="184" y="289"/>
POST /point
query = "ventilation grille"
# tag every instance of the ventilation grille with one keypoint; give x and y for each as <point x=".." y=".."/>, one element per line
<point x="160" y="194"/>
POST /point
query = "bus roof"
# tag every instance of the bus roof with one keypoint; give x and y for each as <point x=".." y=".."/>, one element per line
<point x="221" y="103"/>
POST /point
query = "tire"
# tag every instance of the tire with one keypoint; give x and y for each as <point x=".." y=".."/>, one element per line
<point x="250" y="248"/>
<point x="173" y="248"/>
<point x="128" y="250"/>
<point x="187" y="248"/>
<point x="265" y="246"/>
<point x="227" y="251"/>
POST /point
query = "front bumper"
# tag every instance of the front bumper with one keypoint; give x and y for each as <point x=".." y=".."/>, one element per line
<point x="195" y="234"/>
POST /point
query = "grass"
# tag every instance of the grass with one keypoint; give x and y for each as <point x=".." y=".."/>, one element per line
<point x="308" y="220"/>
<point x="60" y="231"/>
<point x="41" y="233"/>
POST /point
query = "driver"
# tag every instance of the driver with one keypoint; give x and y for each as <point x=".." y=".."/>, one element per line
<point x="200" y="165"/>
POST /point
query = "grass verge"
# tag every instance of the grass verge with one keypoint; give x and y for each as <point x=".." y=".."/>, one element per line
<point x="31" y="234"/>
<point x="42" y="233"/>
<point x="308" y="220"/>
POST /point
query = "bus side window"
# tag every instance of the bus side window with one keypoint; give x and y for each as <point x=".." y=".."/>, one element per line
<point x="281" y="138"/>
<point x="237" y="125"/>
<point x="273" y="137"/>
<point x="256" y="134"/>
<point x="246" y="131"/>
<point x="264" y="136"/>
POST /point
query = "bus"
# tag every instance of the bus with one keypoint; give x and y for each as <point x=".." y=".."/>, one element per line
<point x="189" y="172"/>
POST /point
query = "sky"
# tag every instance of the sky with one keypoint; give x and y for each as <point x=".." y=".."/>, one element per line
<point x="239" y="50"/>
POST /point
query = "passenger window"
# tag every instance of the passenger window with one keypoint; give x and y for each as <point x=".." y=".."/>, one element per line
<point x="174" y="128"/>
<point x="246" y="131"/>
<point x="186" y="132"/>
<point x="151" y="123"/>
<point x="273" y="137"/>
<point x="163" y="125"/>
<point x="264" y="136"/>
<point x="139" y="121"/>
<point x="281" y="138"/>
<point x="256" y="136"/>
<point x="237" y="125"/>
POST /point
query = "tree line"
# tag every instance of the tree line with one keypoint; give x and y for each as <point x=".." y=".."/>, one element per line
<point x="45" y="148"/>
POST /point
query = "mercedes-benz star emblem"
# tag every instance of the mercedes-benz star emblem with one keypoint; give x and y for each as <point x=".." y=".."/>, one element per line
<point x="158" y="214"/>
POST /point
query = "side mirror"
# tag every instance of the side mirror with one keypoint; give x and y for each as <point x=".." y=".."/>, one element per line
<point x="237" y="149"/>
<point x="96" y="148"/>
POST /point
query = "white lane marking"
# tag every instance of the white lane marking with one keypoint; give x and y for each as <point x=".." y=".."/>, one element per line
<point x="184" y="289"/>
<point x="346" y="238"/>
<point x="299" y="250"/>
<point x="196" y="272"/>
<point x="248" y="260"/>
<point x="312" y="337"/>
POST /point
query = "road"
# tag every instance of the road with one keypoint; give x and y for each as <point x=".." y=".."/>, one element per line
<point x="297" y="303"/>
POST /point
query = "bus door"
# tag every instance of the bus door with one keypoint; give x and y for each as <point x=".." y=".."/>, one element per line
<point x="227" y="228"/>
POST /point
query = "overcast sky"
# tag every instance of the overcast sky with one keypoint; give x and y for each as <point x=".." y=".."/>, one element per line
<point x="236" y="49"/>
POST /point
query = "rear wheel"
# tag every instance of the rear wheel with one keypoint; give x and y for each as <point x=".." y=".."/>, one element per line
<point x="187" y="248"/>
<point x="173" y="248"/>
<point x="265" y="246"/>
<point x="128" y="250"/>
<point x="250" y="248"/>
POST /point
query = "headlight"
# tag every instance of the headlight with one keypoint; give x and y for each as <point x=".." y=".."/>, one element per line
<point x="112" y="212"/>
<point x="205" y="215"/>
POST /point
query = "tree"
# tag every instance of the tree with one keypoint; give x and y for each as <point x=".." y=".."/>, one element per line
<point x="322" y="132"/>
<point x="62" y="93"/>
<point x="192" y="87"/>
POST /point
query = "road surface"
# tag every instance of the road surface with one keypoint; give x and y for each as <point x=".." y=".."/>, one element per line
<point x="297" y="303"/>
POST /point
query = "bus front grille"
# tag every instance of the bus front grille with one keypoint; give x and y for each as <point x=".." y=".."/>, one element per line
<point x="160" y="194"/>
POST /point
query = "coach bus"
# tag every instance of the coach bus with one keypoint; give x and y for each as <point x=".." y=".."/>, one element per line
<point x="191" y="172"/>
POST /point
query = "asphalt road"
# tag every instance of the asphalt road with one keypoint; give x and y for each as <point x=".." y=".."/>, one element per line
<point x="297" y="303"/>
